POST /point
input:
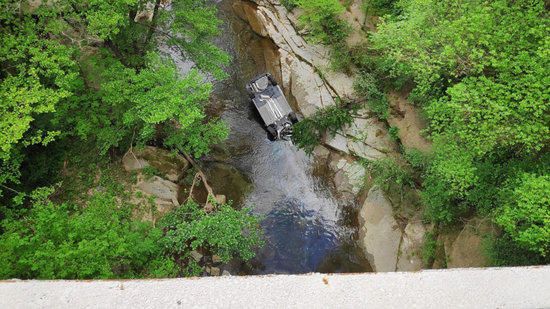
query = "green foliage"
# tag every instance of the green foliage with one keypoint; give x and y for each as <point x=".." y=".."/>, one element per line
<point x="308" y="133"/>
<point x="65" y="241"/>
<point x="195" y="24"/>
<point x="289" y="4"/>
<point x="89" y="70"/>
<point x="417" y="159"/>
<point x="429" y="249"/>
<point x="227" y="232"/>
<point x="526" y="215"/>
<point x="322" y="20"/>
<point x="380" y="7"/>
<point x="480" y="70"/>
<point x="389" y="174"/>
<point x="394" y="133"/>
<point x="367" y="86"/>
<point x="504" y="251"/>
<point x="79" y="80"/>
<point x="102" y="239"/>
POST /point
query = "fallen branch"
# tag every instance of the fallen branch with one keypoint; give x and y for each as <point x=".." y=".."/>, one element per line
<point x="203" y="179"/>
<point x="192" y="187"/>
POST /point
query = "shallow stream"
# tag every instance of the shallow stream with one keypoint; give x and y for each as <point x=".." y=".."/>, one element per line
<point x="306" y="229"/>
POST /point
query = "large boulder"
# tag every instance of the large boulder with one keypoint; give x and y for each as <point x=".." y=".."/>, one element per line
<point x="379" y="233"/>
<point x="161" y="189"/>
<point x="467" y="249"/>
<point x="170" y="165"/>
<point x="365" y="137"/>
<point x="410" y="250"/>
<point x="349" y="176"/>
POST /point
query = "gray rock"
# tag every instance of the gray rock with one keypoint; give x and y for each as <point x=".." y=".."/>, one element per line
<point x="160" y="188"/>
<point x="410" y="250"/>
<point x="338" y="142"/>
<point x="467" y="249"/>
<point x="170" y="165"/>
<point x="196" y="255"/>
<point x="215" y="271"/>
<point x="226" y="273"/>
<point x="379" y="234"/>
<point x="349" y="176"/>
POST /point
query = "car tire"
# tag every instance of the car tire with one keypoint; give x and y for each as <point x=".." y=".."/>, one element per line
<point x="293" y="118"/>
<point x="271" y="133"/>
<point x="272" y="80"/>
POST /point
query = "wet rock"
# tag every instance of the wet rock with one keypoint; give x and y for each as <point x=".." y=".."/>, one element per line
<point x="161" y="189"/>
<point x="170" y="165"/>
<point x="379" y="234"/>
<point x="410" y="250"/>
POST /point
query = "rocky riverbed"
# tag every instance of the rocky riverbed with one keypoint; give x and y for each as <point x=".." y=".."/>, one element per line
<point x="391" y="234"/>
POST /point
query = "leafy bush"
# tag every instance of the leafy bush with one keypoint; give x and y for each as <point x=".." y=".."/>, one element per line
<point x="429" y="249"/>
<point x="381" y="7"/>
<point x="227" y="232"/>
<point x="289" y="4"/>
<point x="366" y="86"/>
<point x="389" y="175"/>
<point x="417" y="159"/>
<point x="102" y="240"/>
<point x="322" y="19"/>
<point x="308" y="133"/>
<point x="504" y="251"/>
<point x="65" y="241"/>
<point x="526" y="215"/>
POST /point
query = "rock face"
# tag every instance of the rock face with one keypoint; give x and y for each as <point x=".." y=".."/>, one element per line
<point x="160" y="188"/>
<point x="467" y="249"/>
<point x="380" y="234"/>
<point x="365" y="137"/>
<point x="409" y="122"/>
<point x="297" y="63"/>
<point x="410" y="250"/>
<point x="170" y="165"/>
<point x="349" y="175"/>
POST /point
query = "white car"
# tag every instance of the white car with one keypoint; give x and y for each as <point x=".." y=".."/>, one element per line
<point x="269" y="100"/>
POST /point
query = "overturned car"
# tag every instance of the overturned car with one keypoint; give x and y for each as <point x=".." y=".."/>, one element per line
<point x="269" y="100"/>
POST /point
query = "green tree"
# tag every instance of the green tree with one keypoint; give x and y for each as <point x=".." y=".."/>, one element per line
<point x="526" y="215"/>
<point x="65" y="241"/>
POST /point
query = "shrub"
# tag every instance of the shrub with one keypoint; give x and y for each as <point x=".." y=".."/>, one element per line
<point x="322" y="19"/>
<point x="504" y="251"/>
<point x="226" y="232"/>
<point x="429" y="249"/>
<point x="308" y="132"/>
<point x="389" y="175"/>
<point x="366" y="86"/>
<point x="526" y="214"/>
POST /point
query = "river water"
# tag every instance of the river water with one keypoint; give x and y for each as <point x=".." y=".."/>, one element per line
<point x="306" y="230"/>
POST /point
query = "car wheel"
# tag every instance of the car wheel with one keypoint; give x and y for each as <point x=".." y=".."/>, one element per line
<point x="271" y="133"/>
<point x="293" y="118"/>
<point x="272" y="80"/>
